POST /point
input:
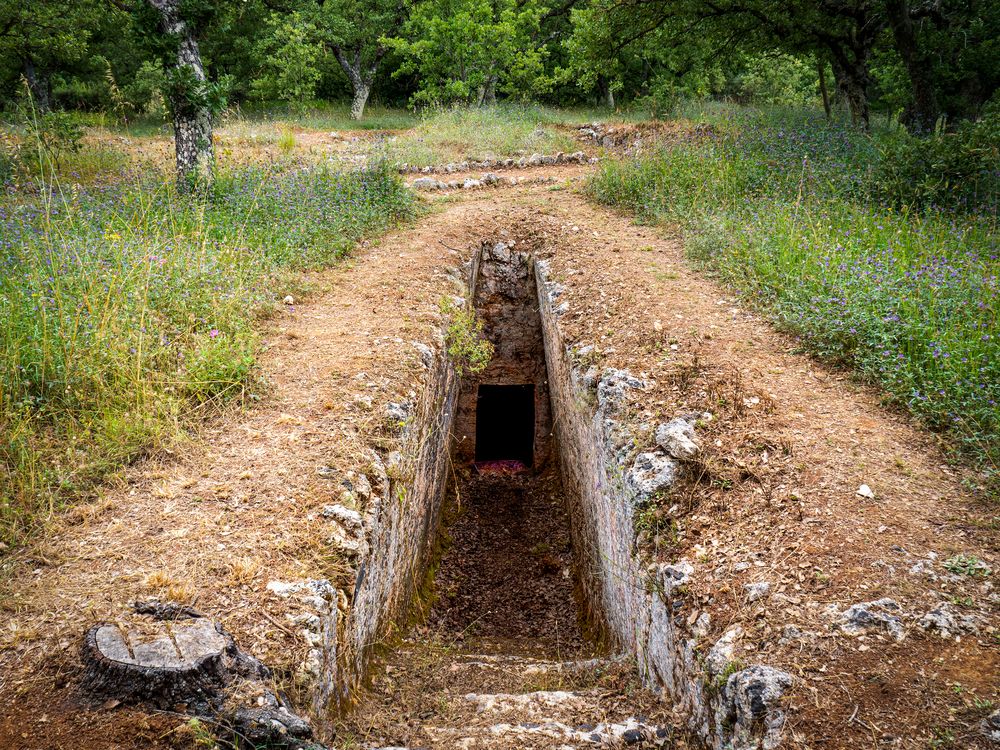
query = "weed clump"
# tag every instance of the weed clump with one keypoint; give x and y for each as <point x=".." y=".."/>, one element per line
<point x="466" y="345"/>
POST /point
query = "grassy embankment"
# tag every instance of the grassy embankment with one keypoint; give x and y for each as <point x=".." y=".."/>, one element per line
<point x="454" y="135"/>
<point x="128" y="310"/>
<point x="865" y="253"/>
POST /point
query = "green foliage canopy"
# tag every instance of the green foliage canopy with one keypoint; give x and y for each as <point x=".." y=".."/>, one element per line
<point x="467" y="50"/>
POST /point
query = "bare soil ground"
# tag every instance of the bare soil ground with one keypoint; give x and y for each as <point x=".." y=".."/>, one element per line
<point x="506" y="579"/>
<point x="772" y="499"/>
<point x="243" y="144"/>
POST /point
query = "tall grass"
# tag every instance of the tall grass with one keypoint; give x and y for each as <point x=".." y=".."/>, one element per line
<point x="325" y="116"/>
<point x="781" y="209"/>
<point x="125" y="308"/>
<point x="475" y="133"/>
<point x="317" y="116"/>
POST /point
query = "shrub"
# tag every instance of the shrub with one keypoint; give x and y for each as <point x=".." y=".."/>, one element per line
<point x="57" y="135"/>
<point x="145" y="93"/>
<point x="959" y="170"/>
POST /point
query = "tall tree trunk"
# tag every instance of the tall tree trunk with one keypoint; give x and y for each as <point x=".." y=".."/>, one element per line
<point x="486" y="95"/>
<point x="857" y="100"/>
<point x="361" y="78"/>
<point x="924" y="111"/>
<point x="821" y="69"/>
<point x="607" y="93"/>
<point x="852" y="82"/>
<point x="361" y="93"/>
<point x="38" y="87"/>
<point x="192" y="118"/>
<point x="490" y="97"/>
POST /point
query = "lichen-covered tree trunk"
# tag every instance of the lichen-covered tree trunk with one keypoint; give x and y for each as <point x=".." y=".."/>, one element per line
<point x="38" y="86"/>
<point x="361" y="93"/>
<point x="192" y="115"/>
<point x="361" y="78"/>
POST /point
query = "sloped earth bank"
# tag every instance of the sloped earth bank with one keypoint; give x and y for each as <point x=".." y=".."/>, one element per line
<point x="728" y="551"/>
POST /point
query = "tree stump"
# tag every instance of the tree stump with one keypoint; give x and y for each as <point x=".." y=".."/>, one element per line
<point x="171" y="657"/>
<point x="162" y="662"/>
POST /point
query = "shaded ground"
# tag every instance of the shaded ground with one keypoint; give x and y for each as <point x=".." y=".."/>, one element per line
<point x="502" y="624"/>
<point x="505" y="582"/>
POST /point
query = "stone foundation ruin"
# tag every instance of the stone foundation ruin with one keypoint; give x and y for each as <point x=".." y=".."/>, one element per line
<point x="541" y="399"/>
<point x="580" y="418"/>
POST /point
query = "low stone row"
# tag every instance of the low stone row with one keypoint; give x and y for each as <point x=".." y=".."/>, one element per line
<point x="487" y="180"/>
<point x="535" y="160"/>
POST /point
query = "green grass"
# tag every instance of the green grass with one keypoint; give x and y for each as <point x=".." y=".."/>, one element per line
<point x="463" y="133"/>
<point x="318" y="116"/>
<point x="325" y="116"/>
<point x="781" y="207"/>
<point x="127" y="309"/>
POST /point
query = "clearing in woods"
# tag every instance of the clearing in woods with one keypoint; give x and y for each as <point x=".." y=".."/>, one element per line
<point x="499" y="642"/>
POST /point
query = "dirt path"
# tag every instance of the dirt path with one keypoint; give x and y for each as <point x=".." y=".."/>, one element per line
<point x="790" y="444"/>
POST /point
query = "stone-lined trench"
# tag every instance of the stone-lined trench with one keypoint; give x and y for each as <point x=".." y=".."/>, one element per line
<point x="544" y="478"/>
<point x="507" y="578"/>
<point x="539" y="449"/>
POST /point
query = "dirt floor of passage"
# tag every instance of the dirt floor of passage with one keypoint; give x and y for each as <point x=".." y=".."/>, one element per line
<point x="505" y="581"/>
<point x="502" y="615"/>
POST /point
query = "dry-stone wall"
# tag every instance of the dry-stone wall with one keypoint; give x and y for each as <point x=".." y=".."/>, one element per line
<point x="609" y="477"/>
<point x="610" y="473"/>
<point x="403" y="516"/>
<point x="389" y="540"/>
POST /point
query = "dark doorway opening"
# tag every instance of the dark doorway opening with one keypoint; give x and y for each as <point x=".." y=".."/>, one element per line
<point x="505" y="423"/>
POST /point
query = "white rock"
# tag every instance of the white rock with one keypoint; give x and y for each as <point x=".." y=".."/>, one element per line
<point x="721" y="654"/>
<point x="756" y="591"/>
<point x="701" y="625"/>
<point x="349" y="519"/>
<point x="677" y="438"/>
<point x="283" y="589"/>
<point x="673" y="576"/>
<point x="427" y="183"/>
<point x="651" y="472"/>
<point x="947" y="622"/>
<point x="869" y="617"/>
<point x="866" y="491"/>
<point x="289" y="300"/>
